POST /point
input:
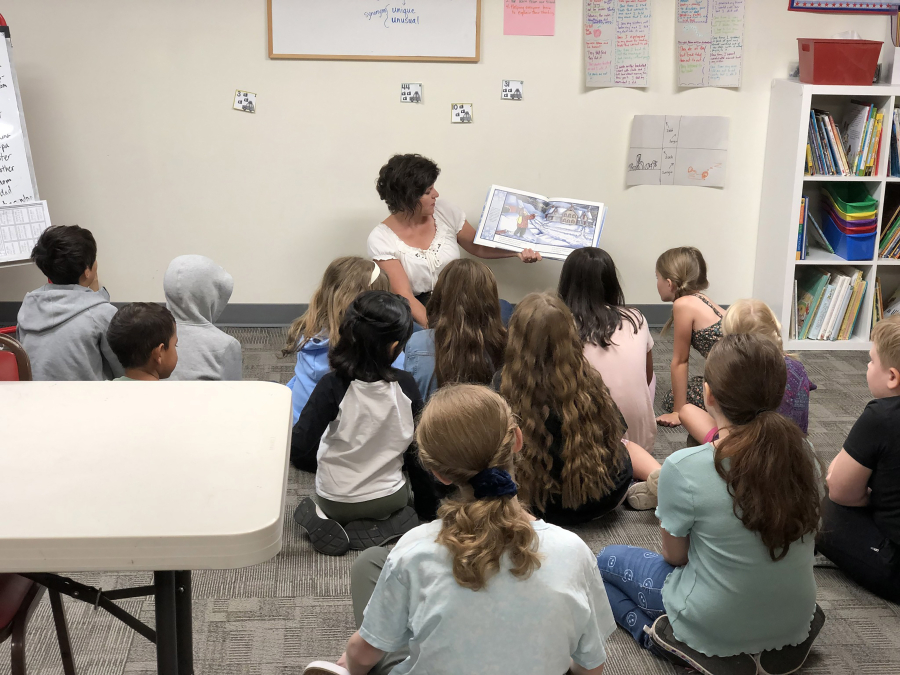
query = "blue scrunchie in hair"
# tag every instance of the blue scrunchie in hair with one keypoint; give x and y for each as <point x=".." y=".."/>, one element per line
<point x="493" y="482"/>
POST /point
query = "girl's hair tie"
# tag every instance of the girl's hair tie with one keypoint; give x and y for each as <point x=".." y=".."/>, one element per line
<point x="493" y="482"/>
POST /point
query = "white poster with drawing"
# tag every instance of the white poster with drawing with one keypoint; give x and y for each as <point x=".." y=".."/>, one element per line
<point x="674" y="150"/>
<point x="710" y="36"/>
<point x="617" y="43"/>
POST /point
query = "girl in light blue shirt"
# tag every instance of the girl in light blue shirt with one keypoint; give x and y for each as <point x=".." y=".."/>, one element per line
<point x="485" y="589"/>
<point x="738" y="519"/>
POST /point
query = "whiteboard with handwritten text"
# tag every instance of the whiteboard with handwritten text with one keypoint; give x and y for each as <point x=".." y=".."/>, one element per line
<point x="385" y="30"/>
<point x="17" y="183"/>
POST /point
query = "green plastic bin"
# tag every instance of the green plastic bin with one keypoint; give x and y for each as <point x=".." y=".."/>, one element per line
<point x="852" y="198"/>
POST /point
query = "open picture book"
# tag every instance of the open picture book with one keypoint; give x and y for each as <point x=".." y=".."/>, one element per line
<point x="515" y="220"/>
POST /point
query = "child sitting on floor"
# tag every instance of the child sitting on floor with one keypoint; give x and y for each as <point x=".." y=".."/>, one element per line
<point x="697" y="322"/>
<point x="861" y="514"/>
<point x="574" y="466"/>
<point x="311" y="336"/>
<point x="355" y="431"/>
<point x="144" y="338"/>
<point x="62" y="325"/>
<point x="487" y="588"/>
<point x="197" y="291"/>
<point x="754" y="316"/>
<point x="738" y="518"/>
<point x="616" y="338"/>
<point x="466" y="337"/>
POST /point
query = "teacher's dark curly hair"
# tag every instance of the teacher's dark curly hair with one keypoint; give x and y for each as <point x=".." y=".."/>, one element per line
<point x="403" y="180"/>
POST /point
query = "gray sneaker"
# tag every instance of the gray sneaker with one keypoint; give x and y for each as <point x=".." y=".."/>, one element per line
<point x="661" y="634"/>
<point x="791" y="659"/>
<point x="367" y="533"/>
<point x="326" y="535"/>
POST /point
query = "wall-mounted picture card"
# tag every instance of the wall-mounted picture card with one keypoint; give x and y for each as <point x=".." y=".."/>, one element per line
<point x="461" y="113"/>
<point x="244" y="101"/>
<point x="512" y="90"/>
<point x="411" y="92"/>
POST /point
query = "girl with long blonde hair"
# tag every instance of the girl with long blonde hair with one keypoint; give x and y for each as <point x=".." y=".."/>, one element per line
<point x="574" y="466"/>
<point x="755" y="316"/>
<point x="466" y="338"/>
<point x="521" y="595"/>
<point x="311" y="335"/>
<point x="697" y="320"/>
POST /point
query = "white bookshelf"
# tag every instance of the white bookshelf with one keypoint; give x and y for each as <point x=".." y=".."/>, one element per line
<point x="783" y="186"/>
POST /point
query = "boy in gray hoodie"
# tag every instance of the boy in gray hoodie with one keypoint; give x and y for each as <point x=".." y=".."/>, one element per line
<point x="62" y="324"/>
<point x="197" y="291"/>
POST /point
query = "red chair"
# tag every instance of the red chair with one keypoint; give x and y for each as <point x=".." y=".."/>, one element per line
<point x="15" y="365"/>
<point x="19" y="597"/>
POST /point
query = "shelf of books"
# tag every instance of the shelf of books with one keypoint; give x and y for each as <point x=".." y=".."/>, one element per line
<point x="828" y="249"/>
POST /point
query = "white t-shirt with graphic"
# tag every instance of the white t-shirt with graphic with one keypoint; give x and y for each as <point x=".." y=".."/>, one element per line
<point x="422" y="266"/>
<point x="512" y="625"/>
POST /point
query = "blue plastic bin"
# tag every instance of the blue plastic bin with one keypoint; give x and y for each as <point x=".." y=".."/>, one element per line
<point x="848" y="246"/>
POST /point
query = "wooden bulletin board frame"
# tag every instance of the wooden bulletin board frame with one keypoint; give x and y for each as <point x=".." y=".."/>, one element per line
<point x="351" y="57"/>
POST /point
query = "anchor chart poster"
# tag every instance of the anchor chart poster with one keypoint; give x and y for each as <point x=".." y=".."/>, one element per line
<point x="675" y="150"/>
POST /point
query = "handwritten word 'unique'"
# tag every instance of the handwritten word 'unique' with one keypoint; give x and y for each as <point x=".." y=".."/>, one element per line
<point x="390" y="14"/>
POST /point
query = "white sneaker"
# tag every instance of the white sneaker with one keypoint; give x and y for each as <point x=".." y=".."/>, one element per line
<point x="643" y="496"/>
<point x="324" y="668"/>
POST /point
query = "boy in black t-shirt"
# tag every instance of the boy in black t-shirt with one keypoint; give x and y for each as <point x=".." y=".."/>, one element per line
<point x="861" y="515"/>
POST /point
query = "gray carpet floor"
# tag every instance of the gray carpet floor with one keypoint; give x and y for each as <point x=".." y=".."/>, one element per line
<point x="273" y="618"/>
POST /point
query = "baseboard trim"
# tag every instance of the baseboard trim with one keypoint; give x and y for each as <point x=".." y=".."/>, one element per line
<point x="265" y="315"/>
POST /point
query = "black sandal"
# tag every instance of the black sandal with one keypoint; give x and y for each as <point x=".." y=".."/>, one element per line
<point x="662" y="635"/>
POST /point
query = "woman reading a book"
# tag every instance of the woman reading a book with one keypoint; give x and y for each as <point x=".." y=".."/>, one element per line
<point x="423" y="233"/>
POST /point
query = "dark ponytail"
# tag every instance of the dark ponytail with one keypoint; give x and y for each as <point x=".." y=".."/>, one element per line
<point x="771" y="471"/>
<point x="373" y="321"/>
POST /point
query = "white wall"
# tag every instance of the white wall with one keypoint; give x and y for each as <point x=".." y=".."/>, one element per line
<point x="128" y="106"/>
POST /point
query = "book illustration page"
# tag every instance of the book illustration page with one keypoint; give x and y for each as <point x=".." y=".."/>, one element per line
<point x="674" y="150"/>
<point x="516" y="221"/>
<point x="710" y="35"/>
<point x="617" y="43"/>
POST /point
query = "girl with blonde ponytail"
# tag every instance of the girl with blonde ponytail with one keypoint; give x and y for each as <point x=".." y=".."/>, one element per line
<point x="486" y="588"/>
<point x="738" y="519"/>
<point x="681" y="280"/>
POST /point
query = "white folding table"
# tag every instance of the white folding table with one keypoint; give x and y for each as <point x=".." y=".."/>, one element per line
<point x="166" y="477"/>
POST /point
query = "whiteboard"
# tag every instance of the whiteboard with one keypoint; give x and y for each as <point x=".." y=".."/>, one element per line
<point x="389" y="30"/>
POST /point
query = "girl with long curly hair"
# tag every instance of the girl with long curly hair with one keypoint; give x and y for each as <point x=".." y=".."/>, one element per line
<point x="574" y="466"/>
<point x="738" y="520"/>
<point x="466" y="338"/>
<point x="487" y="588"/>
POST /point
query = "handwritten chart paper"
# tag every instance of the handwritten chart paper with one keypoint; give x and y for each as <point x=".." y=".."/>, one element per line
<point x="617" y="43"/>
<point x="16" y="184"/>
<point x="529" y="17"/>
<point x="671" y="150"/>
<point x="20" y="227"/>
<point x="710" y="43"/>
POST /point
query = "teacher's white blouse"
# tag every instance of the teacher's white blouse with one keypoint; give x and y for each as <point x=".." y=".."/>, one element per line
<point x="422" y="266"/>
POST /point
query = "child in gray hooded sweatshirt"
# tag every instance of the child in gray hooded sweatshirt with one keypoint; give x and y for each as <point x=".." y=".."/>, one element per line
<point x="62" y="324"/>
<point x="197" y="291"/>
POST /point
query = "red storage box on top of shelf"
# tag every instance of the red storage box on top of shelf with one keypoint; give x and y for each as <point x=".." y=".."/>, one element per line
<point x="838" y="61"/>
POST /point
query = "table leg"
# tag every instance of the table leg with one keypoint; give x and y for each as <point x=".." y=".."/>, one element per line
<point x="185" y="623"/>
<point x="166" y="624"/>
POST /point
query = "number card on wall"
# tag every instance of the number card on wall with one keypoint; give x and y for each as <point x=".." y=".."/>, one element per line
<point x="244" y="101"/>
<point x="462" y="113"/>
<point x="411" y="92"/>
<point x="512" y="90"/>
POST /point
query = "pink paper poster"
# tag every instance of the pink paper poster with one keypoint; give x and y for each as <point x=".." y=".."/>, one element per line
<point x="529" y="17"/>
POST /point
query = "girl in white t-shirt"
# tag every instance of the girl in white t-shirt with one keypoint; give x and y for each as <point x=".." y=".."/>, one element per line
<point x="487" y="588"/>
<point x="423" y="233"/>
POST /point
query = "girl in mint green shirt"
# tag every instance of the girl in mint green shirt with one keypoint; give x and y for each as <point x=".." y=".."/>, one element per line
<point x="730" y="584"/>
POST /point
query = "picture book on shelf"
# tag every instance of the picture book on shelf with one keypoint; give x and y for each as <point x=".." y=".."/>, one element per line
<point x="515" y="220"/>
<point x="828" y="302"/>
<point x="818" y="236"/>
